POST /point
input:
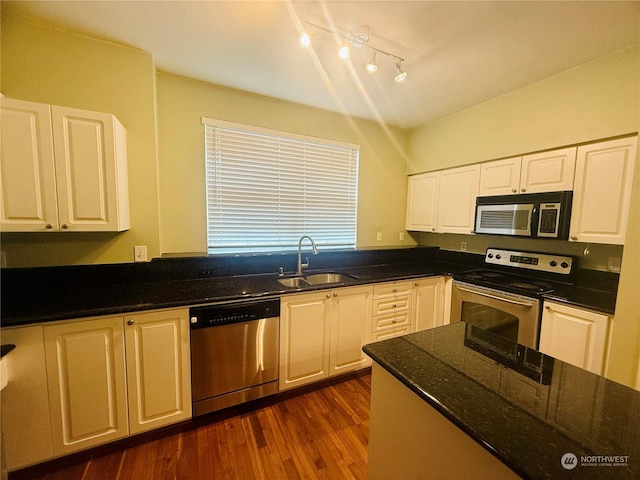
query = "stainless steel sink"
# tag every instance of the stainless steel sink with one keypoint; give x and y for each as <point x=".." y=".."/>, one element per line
<point x="324" y="278"/>
<point x="329" y="277"/>
<point x="294" y="282"/>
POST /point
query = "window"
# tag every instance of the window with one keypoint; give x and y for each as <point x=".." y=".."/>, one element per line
<point x="265" y="189"/>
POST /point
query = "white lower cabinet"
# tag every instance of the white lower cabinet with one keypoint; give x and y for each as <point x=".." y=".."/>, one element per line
<point x="391" y="310"/>
<point x="322" y="334"/>
<point x="409" y="306"/>
<point x="158" y="368"/>
<point x="77" y="384"/>
<point x="26" y="422"/>
<point x="87" y="383"/>
<point x="431" y="302"/>
<point x="574" y="335"/>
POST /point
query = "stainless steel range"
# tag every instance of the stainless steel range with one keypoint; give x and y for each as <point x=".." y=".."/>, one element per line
<point x="505" y="296"/>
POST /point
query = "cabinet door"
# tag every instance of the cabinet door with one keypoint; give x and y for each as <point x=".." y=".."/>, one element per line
<point x="27" y="175"/>
<point x="87" y="383"/>
<point x="574" y="336"/>
<point x="428" y="303"/>
<point x="458" y="192"/>
<point x="350" y="328"/>
<point x="158" y="368"/>
<point x="26" y="425"/>
<point x="304" y="339"/>
<point x="501" y="177"/>
<point x="422" y="202"/>
<point x="548" y="171"/>
<point x="602" y="191"/>
<point x="91" y="170"/>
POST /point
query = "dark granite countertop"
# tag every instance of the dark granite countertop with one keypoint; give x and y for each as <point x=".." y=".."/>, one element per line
<point x="6" y="348"/>
<point x="117" y="298"/>
<point x="526" y="413"/>
<point x="33" y="295"/>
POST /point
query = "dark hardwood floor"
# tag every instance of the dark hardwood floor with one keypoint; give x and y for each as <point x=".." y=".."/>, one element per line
<point x="319" y="433"/>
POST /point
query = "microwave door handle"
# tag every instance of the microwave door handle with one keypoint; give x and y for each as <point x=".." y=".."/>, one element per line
<point x="483" y="294"/>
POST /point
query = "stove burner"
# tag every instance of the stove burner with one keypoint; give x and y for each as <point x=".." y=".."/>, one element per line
<point x="525" y="286"/>
<point x="505" y="280"/>
<point x="492" y="275"/>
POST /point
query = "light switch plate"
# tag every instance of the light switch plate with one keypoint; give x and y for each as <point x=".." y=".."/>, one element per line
<point x="140" y="253"/>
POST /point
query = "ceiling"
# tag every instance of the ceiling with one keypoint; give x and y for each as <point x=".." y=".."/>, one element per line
<point x="456" y="54"/>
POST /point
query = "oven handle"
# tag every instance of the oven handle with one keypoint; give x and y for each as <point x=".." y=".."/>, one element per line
<point x="502" y="299"/>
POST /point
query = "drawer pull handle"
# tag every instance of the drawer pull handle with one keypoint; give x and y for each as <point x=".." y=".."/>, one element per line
<point x="394" y="305"/>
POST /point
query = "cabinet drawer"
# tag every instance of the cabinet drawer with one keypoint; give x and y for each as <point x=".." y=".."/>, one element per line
<point x="391" y="305"/>
<point x="385" y="322"/>
<point x="392" y="289"/>
<point x="393" y="332"/>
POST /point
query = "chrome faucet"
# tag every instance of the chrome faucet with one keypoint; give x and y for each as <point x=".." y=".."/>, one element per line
<point x="315" y="252"/>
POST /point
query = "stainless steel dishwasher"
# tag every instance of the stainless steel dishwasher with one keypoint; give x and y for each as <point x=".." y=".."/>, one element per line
<point x="234" y="353"/>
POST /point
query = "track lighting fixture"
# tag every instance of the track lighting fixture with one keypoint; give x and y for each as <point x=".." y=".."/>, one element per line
<point x="344" y="53"/>
<point x="358" y="38"/>
<point x="304" y="39"/>
<point x="372" y="67"/>
<point x="400" y="74"/>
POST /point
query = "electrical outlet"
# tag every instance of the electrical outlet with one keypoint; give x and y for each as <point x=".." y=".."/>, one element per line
<point x="401" y="236"/>
<point x="140" y="253"/>
<point x="463" y="246"/>
<point x="378" y="236"/>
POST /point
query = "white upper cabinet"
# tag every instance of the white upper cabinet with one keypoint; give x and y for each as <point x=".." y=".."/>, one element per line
<point x="500" y="177"/>
<point x="62" y="169"/>
<point x="457" y="205"/>
<point x="443" y="201"/>
<point x="548" y="171"/>
<point x="602" y="191"/>
<point x="422" y="202"/>
<point x="539" y="172"/>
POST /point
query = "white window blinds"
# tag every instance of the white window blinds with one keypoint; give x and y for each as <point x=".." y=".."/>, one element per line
<point x="265" y="189"/>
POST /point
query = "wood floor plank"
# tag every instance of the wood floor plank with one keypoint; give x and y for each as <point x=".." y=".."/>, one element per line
<point x="314" y="433"/>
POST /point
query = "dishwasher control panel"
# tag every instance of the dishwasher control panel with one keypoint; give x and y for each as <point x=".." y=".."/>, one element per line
<point x="230" y="313"/>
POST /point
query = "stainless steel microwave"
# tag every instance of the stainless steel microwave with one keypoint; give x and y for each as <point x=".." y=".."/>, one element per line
<point x="536" y="215"/>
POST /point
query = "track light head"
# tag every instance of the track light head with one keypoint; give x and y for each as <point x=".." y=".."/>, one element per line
<point x="372" y="67"/>
<point x="344" y="53"/>
<point x="304" y="40"/>
<point x="400" y="74"/>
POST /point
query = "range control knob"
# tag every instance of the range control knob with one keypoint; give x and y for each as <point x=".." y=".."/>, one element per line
<point x="498" y="257"/>
<point x="553" y="263"/>
<point x="564" y="265"/>
<point x="490" y="255"/>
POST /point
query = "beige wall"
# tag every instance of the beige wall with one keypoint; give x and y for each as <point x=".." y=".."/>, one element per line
<point x="590" y="102"/>
<point x="168" y="203"/>
<point x="593" y="101"/>
<point x="53" y="66"/>
<point x="181" y="104"/>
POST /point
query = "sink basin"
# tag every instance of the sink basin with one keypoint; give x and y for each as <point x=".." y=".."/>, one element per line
<point x="294" y="282"/>
<point x="323" y="278"/>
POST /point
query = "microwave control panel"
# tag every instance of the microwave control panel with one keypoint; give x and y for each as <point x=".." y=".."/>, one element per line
<point x="549" y="220"/>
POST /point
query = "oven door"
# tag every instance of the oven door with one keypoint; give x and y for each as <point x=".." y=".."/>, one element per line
<point x="513" y="316"/>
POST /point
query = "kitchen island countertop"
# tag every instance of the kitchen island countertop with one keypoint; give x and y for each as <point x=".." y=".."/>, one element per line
<point x="527" y="409"/>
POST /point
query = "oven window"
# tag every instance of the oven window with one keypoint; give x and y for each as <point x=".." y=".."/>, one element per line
<point x="490" y="318"/>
